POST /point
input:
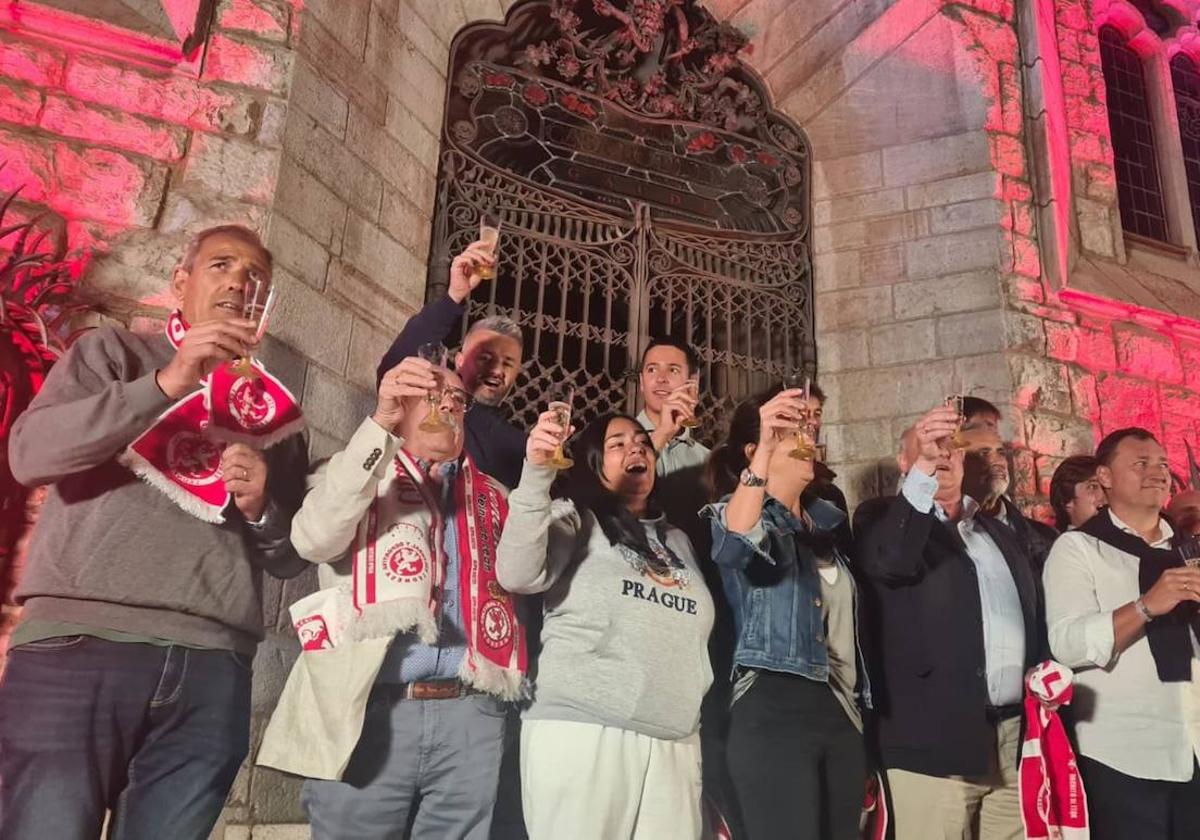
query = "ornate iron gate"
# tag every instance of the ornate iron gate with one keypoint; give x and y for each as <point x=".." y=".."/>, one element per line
<point x="631" y="207"/>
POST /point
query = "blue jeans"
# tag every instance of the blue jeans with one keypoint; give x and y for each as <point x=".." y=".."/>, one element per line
<point x="422" y="769"/>
<point x="153" y="734"/>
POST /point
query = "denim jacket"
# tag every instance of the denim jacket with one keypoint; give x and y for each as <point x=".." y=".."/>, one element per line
<point x="771" y="581"/>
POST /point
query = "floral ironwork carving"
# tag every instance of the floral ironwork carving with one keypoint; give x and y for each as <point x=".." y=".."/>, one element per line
<point x="659" y="58"/>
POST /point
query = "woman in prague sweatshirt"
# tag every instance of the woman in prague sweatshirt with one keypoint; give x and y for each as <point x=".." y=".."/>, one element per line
<point x="609" y="746"/>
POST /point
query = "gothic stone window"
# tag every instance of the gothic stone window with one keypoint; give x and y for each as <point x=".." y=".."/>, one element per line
<point x="1135" y="156"/>
<point x="1185" y="78"/>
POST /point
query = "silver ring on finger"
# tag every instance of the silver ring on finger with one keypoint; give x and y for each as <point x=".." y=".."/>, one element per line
<point x="245" y="474"/>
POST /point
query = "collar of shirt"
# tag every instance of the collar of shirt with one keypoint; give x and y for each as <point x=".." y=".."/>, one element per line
<point x="684" y="435"/>
<point x="825" y="515"/>
<point x="1164" y="527"/>
<point x="445" y="470"/>
<point x="966" y="516"/>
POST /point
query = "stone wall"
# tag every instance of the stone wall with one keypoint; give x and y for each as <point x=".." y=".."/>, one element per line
<point x="922" y="216"/>
<point x="1108" y="335"/>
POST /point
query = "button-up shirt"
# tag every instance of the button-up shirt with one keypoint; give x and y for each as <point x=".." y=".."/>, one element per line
<point x="680" y="453"/>
<point x="409" y="659"/>
<point x="1127" y="718"/>
<point x="999" y="600"/>
<point x="679" y="487"/>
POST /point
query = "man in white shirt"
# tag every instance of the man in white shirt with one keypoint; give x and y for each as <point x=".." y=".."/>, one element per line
<point x="1112" y="591"/>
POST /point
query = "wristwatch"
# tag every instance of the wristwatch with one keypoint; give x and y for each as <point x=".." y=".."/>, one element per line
<point x="1145" y="613"/>
<point x="749" y="479"/>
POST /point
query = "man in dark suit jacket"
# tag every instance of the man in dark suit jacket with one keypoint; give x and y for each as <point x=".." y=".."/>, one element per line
<point x="960" y="618"/>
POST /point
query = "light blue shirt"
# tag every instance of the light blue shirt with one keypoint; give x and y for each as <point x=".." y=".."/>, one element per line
<point x="1003" y="619"/>
<point x="411" y="660"/>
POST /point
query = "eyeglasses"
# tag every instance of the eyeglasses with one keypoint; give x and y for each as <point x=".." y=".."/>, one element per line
<point x="459" y="399"/>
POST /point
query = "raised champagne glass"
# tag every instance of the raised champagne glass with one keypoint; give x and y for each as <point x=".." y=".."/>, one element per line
<point x="489" y="234"/>
<point x="435" y="354"/>
<point x="563" y="399"/>
<point x="691" y="421"/>
<point x="805" y="448"/>
<point x="258" y="299"/>
<point x="1189" y="550"/>
<point x="957" y="440"/>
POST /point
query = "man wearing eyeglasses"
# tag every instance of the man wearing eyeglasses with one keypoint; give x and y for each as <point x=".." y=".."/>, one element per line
<point x="395" y="711"/>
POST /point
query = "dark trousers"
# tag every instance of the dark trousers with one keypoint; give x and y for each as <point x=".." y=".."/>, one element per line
<point x="798" y="764"/>
<point x="1122" y="807"/>
<point x="153" y="734"/>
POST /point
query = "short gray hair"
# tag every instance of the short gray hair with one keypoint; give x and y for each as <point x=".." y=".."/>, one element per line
<point x="498" y="324"/>
<point x="237" y="231"/>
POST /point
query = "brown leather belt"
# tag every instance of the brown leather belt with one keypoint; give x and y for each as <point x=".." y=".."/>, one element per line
<point x="425" y="690"/>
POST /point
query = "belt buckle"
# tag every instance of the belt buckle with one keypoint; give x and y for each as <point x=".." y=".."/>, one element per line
<point x="431" y="690"/>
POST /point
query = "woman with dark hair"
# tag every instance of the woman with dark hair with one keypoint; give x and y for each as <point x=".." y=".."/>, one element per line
<point x="610" y="747"/>
<point x="795" y="751"/>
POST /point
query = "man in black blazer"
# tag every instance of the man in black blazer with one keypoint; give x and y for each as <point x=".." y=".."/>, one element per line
<point x="960" y="621"/>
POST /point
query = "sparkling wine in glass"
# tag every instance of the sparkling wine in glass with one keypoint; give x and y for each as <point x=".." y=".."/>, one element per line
<point x="561" y="404"/>
<point x="489" y="234"/>
<point x="957" y="440"/>
<point x="1189" y="550"/>
<point x="805" y="447"/>
<point x="691" y="421"/>
<point x="258" y="299"/>
<point x="435" y="354"/>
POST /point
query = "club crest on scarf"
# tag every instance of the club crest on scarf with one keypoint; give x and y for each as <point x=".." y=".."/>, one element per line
<point x="193" y="458"/>
<point x="406" y="561"/>
<point x="181" y="453"/>
<point x="250" y="404"/>
<point x="313" y="633"/>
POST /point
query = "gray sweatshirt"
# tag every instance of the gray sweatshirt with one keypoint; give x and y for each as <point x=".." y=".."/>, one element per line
<point x="110" y="551"/>
<point x="619" y="648"/>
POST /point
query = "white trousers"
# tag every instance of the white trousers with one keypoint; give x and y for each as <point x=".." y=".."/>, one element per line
<point x="590" y="782"/>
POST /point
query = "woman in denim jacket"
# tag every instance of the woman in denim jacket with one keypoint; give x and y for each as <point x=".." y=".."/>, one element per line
<point x="795" y="752"/>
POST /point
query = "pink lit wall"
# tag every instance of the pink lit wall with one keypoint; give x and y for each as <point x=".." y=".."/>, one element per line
<point x="124" y="148"/>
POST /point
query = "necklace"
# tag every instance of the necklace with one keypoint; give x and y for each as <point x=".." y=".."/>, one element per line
<point x="677" y="574"/>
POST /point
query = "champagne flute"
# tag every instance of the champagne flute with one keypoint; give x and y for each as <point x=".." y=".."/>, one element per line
<point x="435" y="354"/>
<point x="691" y="421"/>
<point x="563" y="399"/>
<point x="489" y="234"/>
<point x="957" y="440"/>
<point x="258" y="299"/>
<point x="1189" y="550"/>
<point x="805" y="448"/>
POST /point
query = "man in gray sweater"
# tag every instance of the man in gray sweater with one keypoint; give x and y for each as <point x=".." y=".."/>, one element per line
<point x="127" y="688"/>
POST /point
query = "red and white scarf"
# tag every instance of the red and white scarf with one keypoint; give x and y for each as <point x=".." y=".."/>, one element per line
<point x="399" y="565"/>
<point x="1053" y="801"/>
<point x="181" y="453"/>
